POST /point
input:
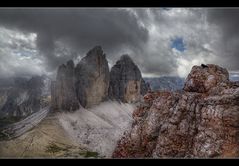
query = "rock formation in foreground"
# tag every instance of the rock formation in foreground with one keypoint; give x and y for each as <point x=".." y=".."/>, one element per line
<point x="201" y="121"/>
<point x="126" y="83"/>
<point x="92" y="78"/>
<point x="63" y="89"/>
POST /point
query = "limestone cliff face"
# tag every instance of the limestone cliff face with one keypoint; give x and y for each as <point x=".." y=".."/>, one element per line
<point x="200" y="121"/>
<point x="126" y="83"/>
<point x="92" y="78"/>
<point x="91" y="82"/>
<point x="63" y="89"/>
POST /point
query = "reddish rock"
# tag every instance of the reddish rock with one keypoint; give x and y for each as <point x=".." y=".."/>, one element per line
<point x="201" y="121"/>
<point x="203" y="78"/>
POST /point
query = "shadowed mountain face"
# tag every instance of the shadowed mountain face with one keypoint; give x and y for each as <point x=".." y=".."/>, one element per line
<point x="92" y="78"/>
<point x="25" y="97"/>
<point x="63" y="90"/>
<point x="86" y="84"/>
<point x="126" y="82"/>
<point x="6" y="82"/>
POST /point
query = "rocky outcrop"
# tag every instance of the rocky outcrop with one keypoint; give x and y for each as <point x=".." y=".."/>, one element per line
<point x="63" y="89"/>
<point x="26" y="97"/>
<point x="92" y="78"/>
<point x="126" y="83"/>
<point x="203" y="78"/>
<point x="200" y="121"/>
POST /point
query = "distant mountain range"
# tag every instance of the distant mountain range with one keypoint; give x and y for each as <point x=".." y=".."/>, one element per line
<point x="20" y="97"/>
<point x="165" y="83"/>
<point x="234" y="77"/>
<point x="173" y="83"/>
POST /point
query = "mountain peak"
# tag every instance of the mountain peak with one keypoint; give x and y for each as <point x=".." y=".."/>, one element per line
<point x="97" y="50"/>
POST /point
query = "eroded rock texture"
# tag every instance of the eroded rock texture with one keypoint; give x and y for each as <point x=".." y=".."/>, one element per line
<point x="126" y="83"/>
<point x="203" y="78"/>
<point x="63" y="89"/>
<point x="92" y="78"/>
<point x="200" y="121"/>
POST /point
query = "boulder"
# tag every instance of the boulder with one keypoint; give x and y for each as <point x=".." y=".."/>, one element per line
<point x="203" y="78"/>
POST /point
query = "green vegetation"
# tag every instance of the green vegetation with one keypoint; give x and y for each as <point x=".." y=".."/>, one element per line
<point x="53" y="148"/>
<point x="88" y="154"/>
<point x="69" y="151"/>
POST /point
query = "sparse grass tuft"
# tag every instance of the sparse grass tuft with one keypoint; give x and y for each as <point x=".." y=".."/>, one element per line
<point x="88" y="154"/>
<point x="53" y="148"/>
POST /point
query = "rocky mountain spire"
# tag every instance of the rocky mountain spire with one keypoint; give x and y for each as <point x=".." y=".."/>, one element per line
<point x="92" y="78"/>
<point x="126" y="83"/>
<point x="91" y="82"/>
<point x="63" y="89"/>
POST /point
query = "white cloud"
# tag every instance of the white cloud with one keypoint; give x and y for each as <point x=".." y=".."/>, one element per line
<point x="18" y="54"/>
<point x="203" y="41"/>
<point x="189" y="24"/>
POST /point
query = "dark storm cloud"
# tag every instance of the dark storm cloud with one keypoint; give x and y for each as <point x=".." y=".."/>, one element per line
<point x="209" y="36"/>
<point x="82" y="29"/>
<point x="227" y="21"/>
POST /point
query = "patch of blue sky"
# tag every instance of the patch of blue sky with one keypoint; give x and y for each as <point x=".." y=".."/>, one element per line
<point x="178" y="43"/>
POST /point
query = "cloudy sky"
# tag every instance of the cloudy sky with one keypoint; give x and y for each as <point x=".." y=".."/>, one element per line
<point x="162" y="41"/>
